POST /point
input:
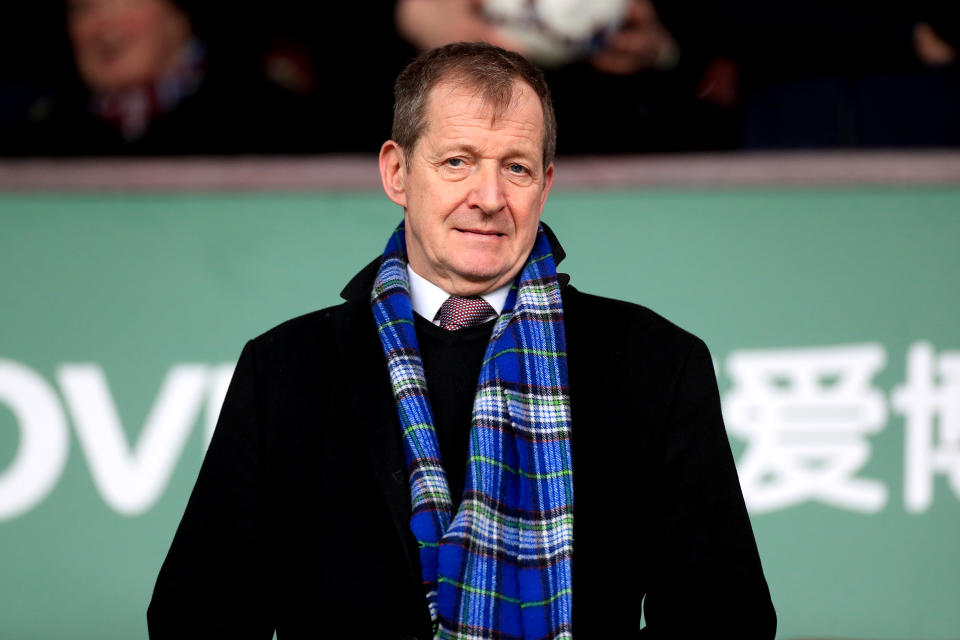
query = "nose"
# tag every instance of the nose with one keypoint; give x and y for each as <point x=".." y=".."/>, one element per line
<point x="486" y="189"/>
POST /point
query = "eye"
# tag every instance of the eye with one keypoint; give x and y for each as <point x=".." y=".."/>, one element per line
<point x="518" y="169"/>
<point x="455" y="163"/>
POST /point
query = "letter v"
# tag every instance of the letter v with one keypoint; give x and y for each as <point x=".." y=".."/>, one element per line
<point x="131" y="479"/>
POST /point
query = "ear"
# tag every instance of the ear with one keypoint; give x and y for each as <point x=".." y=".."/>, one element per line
<point x="547" y="183"/>
<point x="393" y="172"/>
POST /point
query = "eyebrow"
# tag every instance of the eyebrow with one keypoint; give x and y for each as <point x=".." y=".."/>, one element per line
<point x="469" y="148"/>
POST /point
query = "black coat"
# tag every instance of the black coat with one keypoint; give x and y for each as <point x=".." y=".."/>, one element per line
<point x="299" y="520"/>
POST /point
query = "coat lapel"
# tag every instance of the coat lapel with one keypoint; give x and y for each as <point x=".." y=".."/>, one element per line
<point x="375" y="410"/>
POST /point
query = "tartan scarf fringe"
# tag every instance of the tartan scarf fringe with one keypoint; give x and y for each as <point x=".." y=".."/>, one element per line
<point x="501" y="566"/>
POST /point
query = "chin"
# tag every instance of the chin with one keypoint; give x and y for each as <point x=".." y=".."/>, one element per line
<point x="476" y="282"/>
<point x="113" y="79"/>
<point x="479" y="270"/>
<point x="479" y="277"/>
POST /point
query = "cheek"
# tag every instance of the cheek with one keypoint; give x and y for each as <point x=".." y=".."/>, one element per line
<point x="433" y="212"/>
<point x="434" y="231"/>
<point x="83" y="34"/>
<point x="420" y="229"/>
<point x="144" y="21"/>
<point x="146" y="39"/>
<point x="527" y="215"/>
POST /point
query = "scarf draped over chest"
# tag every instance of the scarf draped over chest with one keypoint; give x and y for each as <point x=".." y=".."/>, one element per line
<point x="501" y="565"/>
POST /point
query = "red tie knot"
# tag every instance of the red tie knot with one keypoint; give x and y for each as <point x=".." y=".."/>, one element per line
<point x="457" y="313"/>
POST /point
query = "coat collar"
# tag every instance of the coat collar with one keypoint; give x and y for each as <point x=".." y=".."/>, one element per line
<point x="358" y="289"/>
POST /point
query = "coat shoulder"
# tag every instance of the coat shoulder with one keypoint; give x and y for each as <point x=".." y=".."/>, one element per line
<point x="629" y="325"/>
<point x="313" y="344"/>
<point x="310" y="328"/>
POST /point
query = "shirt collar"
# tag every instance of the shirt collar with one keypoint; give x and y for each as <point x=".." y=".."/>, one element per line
<point x="427" y="297"/>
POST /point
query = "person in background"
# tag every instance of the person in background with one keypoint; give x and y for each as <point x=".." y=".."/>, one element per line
<point x="641" y="43"/>
<point x="138" y="58"/>
<point x="658" y="79"/>
<point x="147" y="81"/>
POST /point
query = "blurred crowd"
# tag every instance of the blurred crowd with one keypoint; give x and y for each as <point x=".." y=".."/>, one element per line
<point x="174" y="77"/>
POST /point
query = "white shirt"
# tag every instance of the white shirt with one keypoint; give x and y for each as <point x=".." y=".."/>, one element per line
<point x="427" y="297"/>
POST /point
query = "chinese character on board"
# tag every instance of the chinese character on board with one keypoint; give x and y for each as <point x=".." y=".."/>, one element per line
<point x="930" y="403"/>
<point x="806" y="415"/>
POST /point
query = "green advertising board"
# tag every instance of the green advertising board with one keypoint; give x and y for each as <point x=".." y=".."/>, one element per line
<point x="833" y="316"/>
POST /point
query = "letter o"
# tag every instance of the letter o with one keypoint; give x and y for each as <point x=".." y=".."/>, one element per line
<point x="44" y="439"/>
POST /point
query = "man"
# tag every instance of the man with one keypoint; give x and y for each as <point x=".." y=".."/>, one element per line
<point x="537" y="473"/>
<point x="154" y="77"/>
<point x="142" y="66"/>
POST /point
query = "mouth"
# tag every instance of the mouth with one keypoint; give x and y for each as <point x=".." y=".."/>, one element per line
<point x="110" y="50"/>
<point x="481" y="232"/>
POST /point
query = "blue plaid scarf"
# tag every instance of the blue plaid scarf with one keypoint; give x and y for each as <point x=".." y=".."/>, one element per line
<point x="500" y="567"/>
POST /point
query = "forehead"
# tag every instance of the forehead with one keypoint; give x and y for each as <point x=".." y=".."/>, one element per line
<point x="456" y="108"/>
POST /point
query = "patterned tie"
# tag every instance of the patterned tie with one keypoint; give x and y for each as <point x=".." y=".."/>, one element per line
<point x="457" y="313"/>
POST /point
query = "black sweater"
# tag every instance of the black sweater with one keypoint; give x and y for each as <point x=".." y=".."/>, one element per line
<point x="451" y="364"/>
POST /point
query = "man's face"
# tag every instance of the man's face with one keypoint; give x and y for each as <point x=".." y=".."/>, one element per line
<point x="472" y="188"/>
<point x="122" y="43"/>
